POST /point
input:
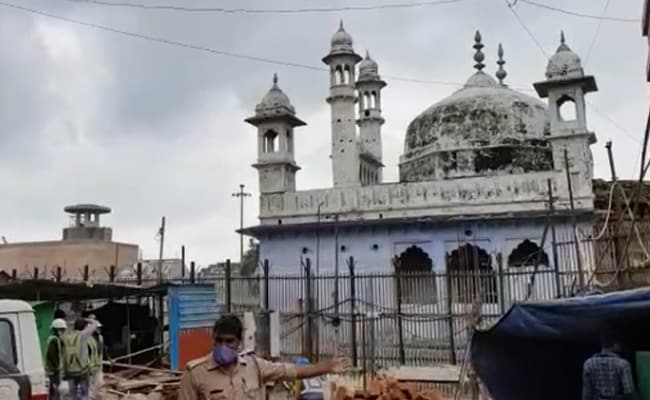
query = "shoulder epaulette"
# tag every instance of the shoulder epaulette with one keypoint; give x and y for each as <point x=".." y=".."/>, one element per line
<point x="195" y="363"/>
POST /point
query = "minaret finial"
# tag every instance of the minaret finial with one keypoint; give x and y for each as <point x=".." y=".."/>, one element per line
<point x="501" y="73"/>
<point x="341" y="25"/>
<point x="275" y="79"/>
<point x="562" y="40"/>
<point x="478" y="56"/>
<point x="367" y="54"/>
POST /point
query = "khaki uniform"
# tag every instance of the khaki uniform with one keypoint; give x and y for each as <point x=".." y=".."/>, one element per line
<point x="204" y="380"/>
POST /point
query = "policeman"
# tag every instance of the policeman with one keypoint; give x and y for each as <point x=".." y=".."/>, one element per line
<point x="54" y="357"/>
<point x="227" y="375"/>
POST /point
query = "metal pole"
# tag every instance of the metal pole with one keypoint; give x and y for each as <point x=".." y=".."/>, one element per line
<point x="337" y="320"/>
<point x="241" y="194"/>
<point x="581" y="278"/>
<point x="353" y="330"/>
<point x="161" y="232"/>
<point x="318" y="238"/>
<point x="618" y="205"/>
<point x="182" y="263"/>
<point x="556" y="265"/>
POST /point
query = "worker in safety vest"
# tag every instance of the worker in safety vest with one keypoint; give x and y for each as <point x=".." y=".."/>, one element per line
<point x="77" y="360"/>
<point x="95" y="358"/>
<point x="54" y="357"/>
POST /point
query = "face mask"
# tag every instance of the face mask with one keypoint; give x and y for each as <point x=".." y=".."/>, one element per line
<point x="224" y="356"/>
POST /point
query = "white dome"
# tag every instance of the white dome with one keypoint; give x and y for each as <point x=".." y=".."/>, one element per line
<point x="275" y="99"/>
<point x="564" y="64"/>
<point x="368" y="69"/>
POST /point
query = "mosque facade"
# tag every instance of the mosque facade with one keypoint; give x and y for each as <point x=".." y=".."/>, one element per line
<point x="483" y="173"/>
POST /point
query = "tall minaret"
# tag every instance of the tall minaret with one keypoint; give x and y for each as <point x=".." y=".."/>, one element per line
<point x="565" y="87"/>
<point x="370" y="120"/>
<point x="342" y="61"/>
<point x="275" y="119"/>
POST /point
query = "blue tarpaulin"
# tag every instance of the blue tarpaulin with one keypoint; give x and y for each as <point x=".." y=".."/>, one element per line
<point x="536" y="350"/>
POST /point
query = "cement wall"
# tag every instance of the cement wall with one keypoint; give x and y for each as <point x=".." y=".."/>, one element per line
<point x="71" y="256"/>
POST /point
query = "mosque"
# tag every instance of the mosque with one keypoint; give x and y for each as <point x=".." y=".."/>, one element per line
<point x="483" y="173"/>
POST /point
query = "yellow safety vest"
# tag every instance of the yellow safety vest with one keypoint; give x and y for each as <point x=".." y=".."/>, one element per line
<point x="74" y="365"/>
<point x="94" y="355"/>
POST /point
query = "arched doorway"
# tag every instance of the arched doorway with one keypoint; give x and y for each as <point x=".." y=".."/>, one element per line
<point x="526" y="254"/>
<point x="471" y="275"/>
<point x="416" y="278"/>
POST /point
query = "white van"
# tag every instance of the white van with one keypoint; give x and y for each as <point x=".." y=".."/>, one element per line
<point x="20" y="347"/>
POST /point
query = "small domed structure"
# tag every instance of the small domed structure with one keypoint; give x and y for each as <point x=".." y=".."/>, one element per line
<point x="564" y="64"/>
<point x="341" y="40"/>
<point x="368" y="69"/>
<point x="275" y="101"/>
<point x="485" y="128"/>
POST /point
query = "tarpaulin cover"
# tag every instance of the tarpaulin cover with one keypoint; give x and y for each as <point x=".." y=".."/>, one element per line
<point x="536" y="350"/>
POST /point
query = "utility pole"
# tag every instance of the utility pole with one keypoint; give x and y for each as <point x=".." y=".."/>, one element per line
<point x="241" y="194"/>
<point x="161" y="232"/>
<point x="318" y="238"/>
<point x="337" y="318"/>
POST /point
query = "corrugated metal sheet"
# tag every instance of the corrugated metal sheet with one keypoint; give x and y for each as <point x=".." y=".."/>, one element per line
<point x="192" y="312"/>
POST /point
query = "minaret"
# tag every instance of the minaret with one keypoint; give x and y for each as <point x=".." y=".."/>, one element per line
<point x="369" y="86"/>
<point x="565" y="87"/>
<point x="275" y="119"/>
<point x="345" y="149"/>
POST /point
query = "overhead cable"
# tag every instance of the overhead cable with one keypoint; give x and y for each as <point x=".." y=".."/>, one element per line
<point x="300" y="10"/>
<point x="577" y="14"/>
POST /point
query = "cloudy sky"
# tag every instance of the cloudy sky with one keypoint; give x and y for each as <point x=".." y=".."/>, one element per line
<point x="151" y="129"/>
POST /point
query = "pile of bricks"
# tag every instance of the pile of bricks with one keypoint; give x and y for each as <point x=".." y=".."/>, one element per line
<point x="382" y="389"/>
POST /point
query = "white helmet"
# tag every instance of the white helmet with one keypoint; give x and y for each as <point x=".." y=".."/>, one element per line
<point x="59" y="324"/>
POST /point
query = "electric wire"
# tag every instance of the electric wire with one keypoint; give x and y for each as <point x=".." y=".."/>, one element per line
<point x="593" y="41"/>
<point x="307" y="10"/>
<point x="577" y="14"/>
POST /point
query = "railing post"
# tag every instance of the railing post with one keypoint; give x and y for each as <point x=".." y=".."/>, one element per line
<point x="450" y="311"/>
<point x="182" y="263"/>
<point x="267" y="297"/>
<point x="192" y="272"/>
<point x="228" y="287"/>
<point x="14" y="274"/>
<point x="86" y="273"/>
<point x="138" y="274"/>
<point x="58" y="274"/>
<point x="309" y="310"/>
<point x="35" y="273"/>
<point x="400" y="330"/>
<point x="353" y="307"/>
<point x="501" y="277"/>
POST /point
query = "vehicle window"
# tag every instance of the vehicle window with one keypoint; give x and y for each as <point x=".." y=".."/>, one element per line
<point x="7" y="342"/>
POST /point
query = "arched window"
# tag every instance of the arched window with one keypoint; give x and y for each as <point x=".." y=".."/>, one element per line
<point x="471" y="275"/>
<point x="416" y="278"/>
<point x="373" y="100"/>
<point x="338" y="75"/>
<point x="566" y="107"/>
<point x="289" y="141"/>
<point x="366" y="100"/>
<point x="347" y="75"/>
<point x="526" y="254"/>
<point x="270" y="141"/>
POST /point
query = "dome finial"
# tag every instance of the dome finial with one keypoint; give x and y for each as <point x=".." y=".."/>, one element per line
<point x="478" y="56"/>
<point x="275" y="79"/>
<point x="341" y="29"/>
<point x="562" y="40"/>
<point x="563" y="46"/>
<point x="367" y="54"/>
<point x="501" y="73"/>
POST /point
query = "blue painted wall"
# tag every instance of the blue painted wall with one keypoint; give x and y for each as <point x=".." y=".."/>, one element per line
<point x="192" y="309"/>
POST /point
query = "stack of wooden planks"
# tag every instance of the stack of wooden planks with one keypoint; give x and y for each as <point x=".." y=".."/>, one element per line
<point x="141" y="383"/>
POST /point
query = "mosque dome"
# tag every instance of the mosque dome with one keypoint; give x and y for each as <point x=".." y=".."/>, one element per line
<point x="341" y="40"/>
<point x="564" y="64"/>
<point x="368" y="69"/>
<point x="275" y="100"/>
<point x="482" y="129"/>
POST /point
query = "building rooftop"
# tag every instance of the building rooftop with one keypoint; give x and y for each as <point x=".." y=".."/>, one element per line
<point x="87" y="208"/>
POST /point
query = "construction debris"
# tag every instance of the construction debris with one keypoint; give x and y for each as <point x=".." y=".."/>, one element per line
<point x="141" y="384"/>
<point x="382" y="388"/>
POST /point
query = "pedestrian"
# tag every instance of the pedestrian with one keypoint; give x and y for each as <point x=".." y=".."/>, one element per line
<point x="95" y="358"/>
<point x="228" y="374"/>
<point x="77" y="366"/>
<point x="54" y="357"/>
<point x="606" y="375"/>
